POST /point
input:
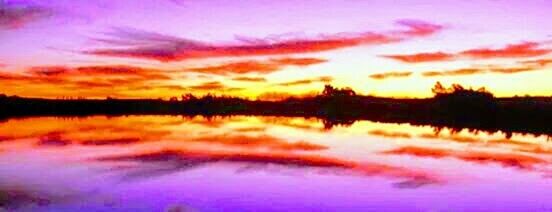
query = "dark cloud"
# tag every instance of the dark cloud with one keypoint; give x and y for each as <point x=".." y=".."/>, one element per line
<point x="16" y="16"/>
<point x="178" y="160"/>
<point x="111" y="142"/>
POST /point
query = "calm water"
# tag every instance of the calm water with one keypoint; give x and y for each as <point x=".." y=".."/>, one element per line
<point x="158" y="163"/>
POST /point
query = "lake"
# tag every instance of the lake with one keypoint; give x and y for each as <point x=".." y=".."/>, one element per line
<point x="242" y="163"/>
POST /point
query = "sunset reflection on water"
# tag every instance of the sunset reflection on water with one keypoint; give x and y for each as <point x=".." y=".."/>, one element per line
<point x="153" y="163"/>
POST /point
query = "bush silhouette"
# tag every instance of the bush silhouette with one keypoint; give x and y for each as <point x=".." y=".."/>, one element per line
<point x="463" y="103"/>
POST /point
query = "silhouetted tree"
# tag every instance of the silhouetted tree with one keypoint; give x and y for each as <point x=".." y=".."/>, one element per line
<point x="188" y="97"/>
<point x="465" y="104"/>
<point x="331" y="91"/>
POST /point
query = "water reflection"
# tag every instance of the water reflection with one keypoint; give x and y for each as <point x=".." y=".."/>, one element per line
<point x="232" y="163"/>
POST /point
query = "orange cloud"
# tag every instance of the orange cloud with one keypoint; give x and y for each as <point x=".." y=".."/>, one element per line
<point x="422" y="57"/>
<point x="87" y="81"/>
<point x="238" y="68"/>
<point x="523" y="66"/>
<point x="538" y="63"/>
<point x="524" y="49"/>
<point x="382" y="76"/>
<point x="253" y="66"/>
<point x="154" y="46"/>
<point x="453" y="137"/>
<point x="387" y="134"/>
<point x="213" y="86"/>
<point x="519" y="50"/>
<point x="457" y="72"/>
<point x="117" y="70"/>
<point x="299" y="61"/>
<point x="262" y="141"/>
<point x="504" y="159"/>
<point x="250" y="79"/>
<point x="323" y="79"/>
<point x="513" y="70"/>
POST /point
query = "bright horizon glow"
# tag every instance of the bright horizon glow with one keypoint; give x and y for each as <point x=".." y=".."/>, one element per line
<point x="151" y="49"/>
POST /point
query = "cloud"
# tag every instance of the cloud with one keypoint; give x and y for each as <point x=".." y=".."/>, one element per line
<point x="419" y="28"/>
<point x="521" y="66"/>
<point x="456" y="72"/>
<point x="17" y="16"/>
<point x="505" y="70"/>
<point x="133" y="43"/>
<point x="213" y="86"/>
<point x="250" y="79"/>
<point x="452" y="137"/>
<point x="538" y="63"/>
<point x="178" y="160"/>
<point x="299" y="61"/>
<point x="382" y="76"/>
<point x="90" y="81"/>
<point x="104" y="71"/>
<point x="112" y="142"/>
<point x="387" y="134"/>
<point x="242" y="67"/>
<point x="53" y="139"/>
<point x="422" y="57"/>
<point x="518" y="50"/>
<point x="323" y="79"/>
<point x="261" y="141"/>
<point x="505" y="159"/>
<point x="255" y="66"/>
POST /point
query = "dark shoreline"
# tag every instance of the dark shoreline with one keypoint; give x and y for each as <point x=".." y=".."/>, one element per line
<point x="531" y="115"/>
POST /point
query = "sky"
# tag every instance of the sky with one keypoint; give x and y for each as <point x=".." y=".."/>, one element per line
<point x="272" y="49"/>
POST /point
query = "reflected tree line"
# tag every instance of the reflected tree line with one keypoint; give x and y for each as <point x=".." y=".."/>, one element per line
<point x="452" y="107"/>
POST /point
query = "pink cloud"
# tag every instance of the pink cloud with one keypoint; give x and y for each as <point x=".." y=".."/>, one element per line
<point x="518" y="50"/>
<point x="132" y="43"/>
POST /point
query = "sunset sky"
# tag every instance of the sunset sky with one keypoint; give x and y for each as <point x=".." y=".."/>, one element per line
<point x="269" y="49"/>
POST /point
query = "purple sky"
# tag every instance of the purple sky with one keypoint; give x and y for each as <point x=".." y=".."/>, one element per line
<point x="472" y="37"/>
